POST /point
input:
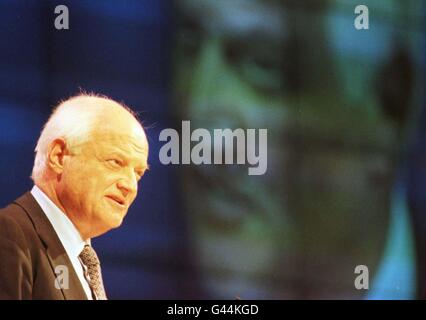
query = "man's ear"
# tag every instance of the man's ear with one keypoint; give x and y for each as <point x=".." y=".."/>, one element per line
<point x="56" y="154"/>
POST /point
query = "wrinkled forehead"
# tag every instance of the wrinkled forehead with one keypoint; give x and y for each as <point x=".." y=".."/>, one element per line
<point x="110" y="134"/>
<point x="131" y="138"/>
<point x="118" y="123"/>
<point x="102" y="144"/>
<point x="236" y="18"/>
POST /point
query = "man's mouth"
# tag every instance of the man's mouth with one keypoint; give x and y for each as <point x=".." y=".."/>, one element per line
<point x="117" y="200"/>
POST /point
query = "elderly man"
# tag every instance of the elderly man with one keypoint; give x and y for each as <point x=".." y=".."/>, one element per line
<point x="89" y="158"/>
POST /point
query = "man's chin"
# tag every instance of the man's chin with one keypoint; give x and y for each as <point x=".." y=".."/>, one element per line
<point x="116" y="219"/>
<point x="113" y="221"/>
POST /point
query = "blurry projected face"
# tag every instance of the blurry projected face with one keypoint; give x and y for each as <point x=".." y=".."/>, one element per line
<point x="321" y="208"/>
<point x="228" y="76"/>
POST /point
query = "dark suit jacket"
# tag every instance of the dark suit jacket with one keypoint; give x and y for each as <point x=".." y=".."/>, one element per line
<point x="29" y="252"/>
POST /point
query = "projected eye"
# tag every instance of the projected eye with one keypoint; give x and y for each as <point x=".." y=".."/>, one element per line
<point x="261" y="73"/>
<point x="260" y="65"/>
<point x="189" y="36"/>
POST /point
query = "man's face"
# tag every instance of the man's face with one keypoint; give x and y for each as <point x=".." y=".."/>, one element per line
<point x="100" y="177"/>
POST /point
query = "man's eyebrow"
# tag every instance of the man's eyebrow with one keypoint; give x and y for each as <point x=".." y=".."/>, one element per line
<point x="143" y="166"/>
<point x="117" y="153"/>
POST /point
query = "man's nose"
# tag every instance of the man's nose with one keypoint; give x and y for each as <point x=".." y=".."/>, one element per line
<point x="128" y="184"/>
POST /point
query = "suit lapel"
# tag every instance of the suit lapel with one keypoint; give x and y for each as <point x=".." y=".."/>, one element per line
<point x="55" y="251"/>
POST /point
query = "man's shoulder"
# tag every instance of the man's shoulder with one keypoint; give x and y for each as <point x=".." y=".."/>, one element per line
<point x="15" y="224"/>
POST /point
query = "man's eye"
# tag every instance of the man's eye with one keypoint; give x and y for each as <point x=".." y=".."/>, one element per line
<point x="115" y="162"/>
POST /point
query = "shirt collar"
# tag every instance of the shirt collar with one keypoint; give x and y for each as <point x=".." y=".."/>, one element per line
<point x="64" y="228"/>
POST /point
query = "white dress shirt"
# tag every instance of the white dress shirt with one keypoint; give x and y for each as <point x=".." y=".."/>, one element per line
<point x="67" y="233"/>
